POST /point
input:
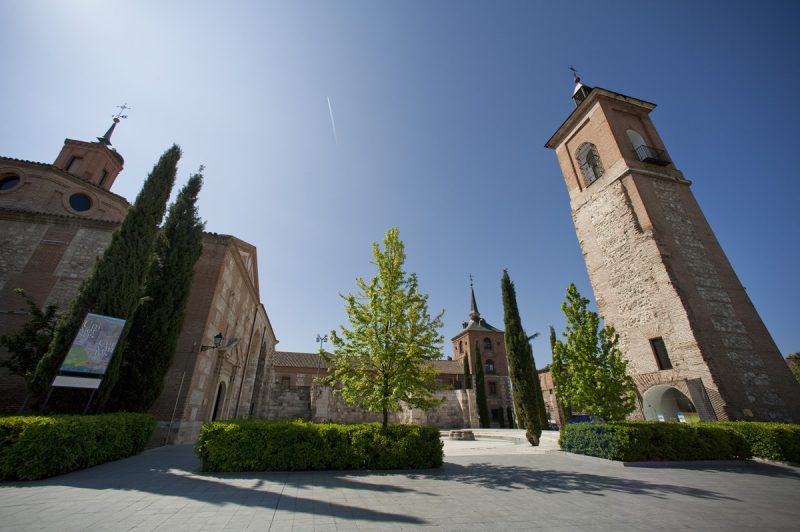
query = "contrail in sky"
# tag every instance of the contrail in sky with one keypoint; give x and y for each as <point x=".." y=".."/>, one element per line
<point x="333" y="122"/>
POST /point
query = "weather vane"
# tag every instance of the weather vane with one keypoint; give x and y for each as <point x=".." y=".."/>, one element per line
<point x="575" y="74"/>
<point x="470" y="280"/>
<point x="122" y="108"/>
<point x="106" y="139"/>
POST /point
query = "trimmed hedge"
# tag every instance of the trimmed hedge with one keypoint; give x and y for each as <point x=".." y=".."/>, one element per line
<point x="260" y="445"/>
<point x="33" y="447"/>
<point x="638" y="441"/>
<point x="770" y="441"/>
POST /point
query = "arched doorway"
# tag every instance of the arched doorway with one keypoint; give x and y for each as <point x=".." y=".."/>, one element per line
<point x="219" y="402"/>
<point x="666" y="403"/>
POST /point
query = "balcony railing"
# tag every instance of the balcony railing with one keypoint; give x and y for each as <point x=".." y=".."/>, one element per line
<point x="648" y="154"/>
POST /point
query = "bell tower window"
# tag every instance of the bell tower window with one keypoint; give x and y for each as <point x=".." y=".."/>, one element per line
<point x="589" y="161"/>
<point x="74" y="165"/>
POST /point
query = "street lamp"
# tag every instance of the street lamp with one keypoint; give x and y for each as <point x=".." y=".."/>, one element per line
<point x="217" y="342"/>
<point x="321" y="340"/>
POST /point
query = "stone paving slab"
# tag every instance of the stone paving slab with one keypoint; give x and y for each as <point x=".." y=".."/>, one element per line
<point x="482" y="488"/>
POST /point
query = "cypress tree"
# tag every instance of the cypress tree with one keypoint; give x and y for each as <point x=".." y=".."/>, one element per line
<point x="157" y="323"/>
<point x="115" y="284"/>
<point x="526" y="390"/>
<point x="563" y="412"/>
<point x="480" y="390"/>
<point x="467" y="379"/>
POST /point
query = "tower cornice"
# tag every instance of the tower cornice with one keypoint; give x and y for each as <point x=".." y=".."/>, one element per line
<point x="575" y="117"/>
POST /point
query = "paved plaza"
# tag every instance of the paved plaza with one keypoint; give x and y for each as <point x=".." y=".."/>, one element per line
<point x="493" y="483"/>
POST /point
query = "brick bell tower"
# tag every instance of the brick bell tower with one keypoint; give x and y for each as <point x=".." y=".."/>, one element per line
<point x="476" y="331"/>
<point x="695" y="345"/>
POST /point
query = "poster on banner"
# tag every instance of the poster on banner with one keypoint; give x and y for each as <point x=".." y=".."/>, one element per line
<point x="94" y="345"/>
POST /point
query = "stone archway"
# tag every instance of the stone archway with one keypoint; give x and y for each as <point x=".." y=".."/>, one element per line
<point x="664" y="403"/>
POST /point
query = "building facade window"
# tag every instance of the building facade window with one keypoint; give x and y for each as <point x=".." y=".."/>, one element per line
<point x="492" y="388"/>
<point x="74" y="165"/>
<point x="460" y="347"/>
<point x="489" y="366"/>
<point x="487" y="343"/>
<point x="589" y="161"/>
<point x="80" y="202"/>
<point x="9" y="182"/>
<point x="636" y="139"/>
<point x="660" y="352"/>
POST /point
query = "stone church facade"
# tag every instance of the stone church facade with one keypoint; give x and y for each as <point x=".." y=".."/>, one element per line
<point x="56" y="219"/>
<point x="695" y="345"/>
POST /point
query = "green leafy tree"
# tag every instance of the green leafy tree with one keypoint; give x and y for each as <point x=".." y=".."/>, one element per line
<point x="115" y="285"/>
<point x="29" y="344"/>
<point x="589" y="371"/>
<point x="525" y="386"/>
<point x="794" y="365"/>
<point x="480" y="390"/>
<point x="563" y="413"/>
<point x="467" y="375"/>
<point x="385" y="359"/>
<point x="157" y="323"/>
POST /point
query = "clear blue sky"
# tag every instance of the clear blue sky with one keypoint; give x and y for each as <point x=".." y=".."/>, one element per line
<point x="441" y="111"/>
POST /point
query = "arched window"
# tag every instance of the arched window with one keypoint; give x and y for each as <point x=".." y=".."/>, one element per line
<point x="489" y="366"/>
<point x="636" y="139"/>
<point x="487" y="344"/>
<point x="589" y="161"/>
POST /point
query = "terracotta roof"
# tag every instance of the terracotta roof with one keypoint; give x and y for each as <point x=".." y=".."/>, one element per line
<point x="288" y="359"/>
<point x="450" y="367"/>
<point x="299" y="360"/>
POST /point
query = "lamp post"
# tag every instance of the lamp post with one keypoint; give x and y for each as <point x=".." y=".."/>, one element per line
<point x="321" y="339"/>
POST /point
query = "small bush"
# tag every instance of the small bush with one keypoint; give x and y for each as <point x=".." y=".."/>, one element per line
<point x="655" y="441"/>
<point x="770" y="441"/>
<point x="33" y="447"/>
<point x="260" y="445"/>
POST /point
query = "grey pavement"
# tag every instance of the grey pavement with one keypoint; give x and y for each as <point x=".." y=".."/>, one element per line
<point x="496" y="483"/>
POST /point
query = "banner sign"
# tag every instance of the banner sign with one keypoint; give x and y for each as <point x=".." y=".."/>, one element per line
<point x="94" y="345"/>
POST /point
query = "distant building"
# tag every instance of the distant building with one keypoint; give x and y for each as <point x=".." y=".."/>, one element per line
<point x="476" y="333"/>
<point x="692" y="338"/>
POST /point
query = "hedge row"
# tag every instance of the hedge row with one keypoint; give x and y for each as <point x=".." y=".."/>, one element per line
<point x="33" y="447"/>
<point x="653" y="440"/>
<point x="260" y="445"/>
<point x="770" y="441"/>
<point x="636" y="441"/>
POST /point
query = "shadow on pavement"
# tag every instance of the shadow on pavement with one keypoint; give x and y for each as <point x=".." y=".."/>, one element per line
<point x="508" y="478"/>
<point x="174" y="472"/>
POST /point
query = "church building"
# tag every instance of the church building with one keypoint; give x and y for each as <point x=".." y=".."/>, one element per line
<point x="477" y="334"/>
<point x="695" y="345"/>
<point x="57" y="219"/>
